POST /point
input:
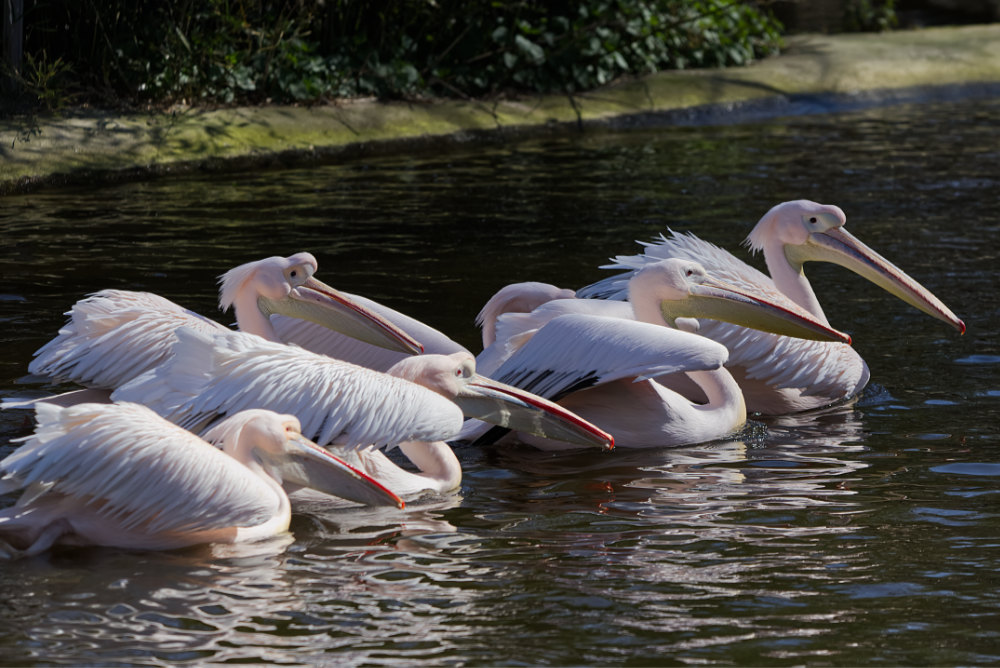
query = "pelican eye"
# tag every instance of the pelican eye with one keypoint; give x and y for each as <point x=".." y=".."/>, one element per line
<point x="298" y="273"/>
<point x="813" y="220"/>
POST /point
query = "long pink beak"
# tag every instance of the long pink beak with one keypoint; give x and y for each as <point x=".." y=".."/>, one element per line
<point x="839" y="246"/>
<point x="507" y="406"/>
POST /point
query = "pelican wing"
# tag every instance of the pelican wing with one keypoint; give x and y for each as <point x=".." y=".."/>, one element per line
<point x="212" y="376"/>
<point x="114" y="336"/>
<point x="573" y="352"/>
<point x="131" y="466"/>
<point x="324" y="341"/>
<point x="718" y="262"/>
<point x="513" y="330"/>
<point x="785" y="362"/>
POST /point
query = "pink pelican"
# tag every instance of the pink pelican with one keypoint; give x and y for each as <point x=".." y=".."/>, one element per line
<point x="417" y="406"/>
<point x="782" y="375"/>
<point x="120" y="475"/>
<point x="605" y="360"/>
<point x="114" y="336"/>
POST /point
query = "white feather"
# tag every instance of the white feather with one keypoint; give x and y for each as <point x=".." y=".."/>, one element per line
<point x="210" y="376"/>
<point x="604" y="350"/>
<point x="113" y="336"/>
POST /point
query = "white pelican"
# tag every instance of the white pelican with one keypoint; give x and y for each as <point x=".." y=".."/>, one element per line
<point x="120" y="475"/>
<point x="114" y="336"/>
<point x="602" y="360"/>
<point x="782" y="375"/>
<point x="418" y="405"/>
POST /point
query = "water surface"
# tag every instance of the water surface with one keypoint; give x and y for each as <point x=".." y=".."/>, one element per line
<point x="861" y="534"/>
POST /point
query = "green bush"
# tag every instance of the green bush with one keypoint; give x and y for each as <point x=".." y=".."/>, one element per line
<point x="239" y="51"/>
<point x="557" y="47"/>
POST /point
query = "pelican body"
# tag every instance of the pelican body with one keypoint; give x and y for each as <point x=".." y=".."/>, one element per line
<point x="119" y="475"/>
<point x="781" y="375"/>
<point x="605" y="360"/>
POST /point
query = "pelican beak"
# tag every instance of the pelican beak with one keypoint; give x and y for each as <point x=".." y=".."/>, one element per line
<point x="718" y="300"/>
<point x="839" y="246"/>
<point x="317" y="302"/>
<point x="500" y="404"/>
<point x="308" y="465"/>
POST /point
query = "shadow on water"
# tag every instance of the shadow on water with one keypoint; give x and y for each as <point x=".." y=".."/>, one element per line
<point x="864" y="533"/>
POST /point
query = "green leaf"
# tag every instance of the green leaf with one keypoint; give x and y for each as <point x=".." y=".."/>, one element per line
<point x="534" y="52"/>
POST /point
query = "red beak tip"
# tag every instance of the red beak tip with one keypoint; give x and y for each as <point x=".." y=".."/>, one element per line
<point x="961" y="328"/>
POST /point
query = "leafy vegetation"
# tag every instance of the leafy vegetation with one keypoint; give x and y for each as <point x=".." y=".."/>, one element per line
<point x="247" y="51"/>
<point x="870" y="15"/>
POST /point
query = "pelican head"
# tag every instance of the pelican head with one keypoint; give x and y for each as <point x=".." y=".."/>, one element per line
<point x="286" y="286"/>
<point x="275" y="442"/>
<point x="454" y="376"/>
<point x="815" y="232"/>
<point x="683" y="289"/>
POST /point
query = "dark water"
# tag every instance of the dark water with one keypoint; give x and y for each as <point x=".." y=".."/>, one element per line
<point x="864" y="534"/>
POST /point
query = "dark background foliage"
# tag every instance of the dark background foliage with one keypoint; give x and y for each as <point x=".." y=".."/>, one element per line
<point x="133" y="52"/>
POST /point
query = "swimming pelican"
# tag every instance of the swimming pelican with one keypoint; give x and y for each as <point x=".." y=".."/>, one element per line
<point x="120" y="475"/>
<point x="604" y="360"/>
<point x="782" y="375"/>
<point x="417" y="406"/>
<point x="114" y="336"/>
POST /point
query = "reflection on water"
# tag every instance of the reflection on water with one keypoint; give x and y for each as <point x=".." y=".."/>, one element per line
<point x="863" y="533"/>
